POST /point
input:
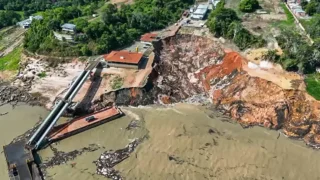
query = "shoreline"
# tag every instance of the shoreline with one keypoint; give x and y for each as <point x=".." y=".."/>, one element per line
<point x="226" y="90"/>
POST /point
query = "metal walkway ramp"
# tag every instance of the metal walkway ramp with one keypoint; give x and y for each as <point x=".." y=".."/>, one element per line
<point x="19" y="155"/>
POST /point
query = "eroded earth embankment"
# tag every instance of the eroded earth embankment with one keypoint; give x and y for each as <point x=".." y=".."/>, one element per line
<point x="196" y="69"/>
<point x="269" y="97"/>
<point x="256" y="101"/>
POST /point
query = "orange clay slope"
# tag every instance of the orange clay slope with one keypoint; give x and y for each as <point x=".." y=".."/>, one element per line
<point x="231" y="61"/>
<point x="261" y="100"/>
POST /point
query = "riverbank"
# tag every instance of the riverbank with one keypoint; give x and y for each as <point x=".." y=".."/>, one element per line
<point x="197" y="70"/>
<point x="184" y="141"/>
<point x="254" y="93"/>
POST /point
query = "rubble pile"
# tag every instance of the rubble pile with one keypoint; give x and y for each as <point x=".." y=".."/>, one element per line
<point x="109" y="159"/>
<point x="12" y="95"/>
<point x="133" y="124"/>
<point x="180" y="58"/>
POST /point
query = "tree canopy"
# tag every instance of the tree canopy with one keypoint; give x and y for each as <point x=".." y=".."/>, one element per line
<point x="8" y="18"/>
<point x="119" y="26"/>
<point x="313" y="27"/>
<point x="225" y="22"/>
<point x="40" y="5"/>
<point x="298" y="55"/>
<point x="248" y="5"/>
<point x="312" y="7"/>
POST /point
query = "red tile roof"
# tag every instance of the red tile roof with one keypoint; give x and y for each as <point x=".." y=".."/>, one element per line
<point x="123" y="57"/>
<point x="148" y="37"/>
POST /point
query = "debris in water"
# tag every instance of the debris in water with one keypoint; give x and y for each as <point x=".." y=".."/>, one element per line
<point x="211" y="131"/>
<point x="176" y="159"/>
<point x="133" y="124"/>
<point x="2" y="114"/>
<point x="63" y="157"/>
<point x="109" y="159"/>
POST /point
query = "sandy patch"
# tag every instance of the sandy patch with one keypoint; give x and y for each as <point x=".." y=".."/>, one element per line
<point x="7" y="75"/>
<point x="256" y="55"/>
<point x="55" y="81"/>
<point x="275" y="74"/>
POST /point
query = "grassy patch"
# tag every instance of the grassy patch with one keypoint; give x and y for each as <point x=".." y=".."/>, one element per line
<point x="290" y="19"/>
<point x="313" y="85"/>
<point x="117" y="82"/>
<point x="289" y="22"/>
<point x="42" y="74"/>
<point x="11" y="61"/>
<point x="39" y="13"/>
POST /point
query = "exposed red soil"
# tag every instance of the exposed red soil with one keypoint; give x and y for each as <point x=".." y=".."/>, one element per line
<point x="256" y="101"/>
<point x="232" y="61"/>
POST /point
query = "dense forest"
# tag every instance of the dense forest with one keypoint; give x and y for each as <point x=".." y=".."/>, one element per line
<point x="225" y="22"/>
<point x="32" y="6"/>
<point x="13" y="11"/>
<point x="117" y="27"/>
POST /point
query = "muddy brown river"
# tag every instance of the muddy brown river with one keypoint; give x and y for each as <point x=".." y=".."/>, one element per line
<point x="184" y="142"/>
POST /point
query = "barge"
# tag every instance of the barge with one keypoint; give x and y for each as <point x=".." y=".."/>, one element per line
<point x="84" y="123"/>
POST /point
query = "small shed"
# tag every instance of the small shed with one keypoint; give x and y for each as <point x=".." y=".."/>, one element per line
<point x="69" y="27"/>
<point x="148" y="38"/>
<point x="200" y="12"/>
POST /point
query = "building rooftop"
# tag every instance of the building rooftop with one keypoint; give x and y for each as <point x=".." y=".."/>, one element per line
<point x="203" y="6"/>
<point x="25" y="22"/>
<point x="148" y="37"/>
<point x="123" y="57"/>
<point x="68" y="26"/>
<point x="197" y="16"/>
<point x="38" y="17"/>
<point x="200" y="11"/>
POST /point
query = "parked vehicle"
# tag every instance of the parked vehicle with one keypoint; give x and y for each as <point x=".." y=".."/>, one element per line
<point x="90" y="118"/>
<point x="185" y="13"/>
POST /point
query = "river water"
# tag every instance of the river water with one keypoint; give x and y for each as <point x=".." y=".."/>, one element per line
<point x="184" y="142"/>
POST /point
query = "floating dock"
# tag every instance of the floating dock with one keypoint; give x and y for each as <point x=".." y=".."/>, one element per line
<point x="80" y="124"/>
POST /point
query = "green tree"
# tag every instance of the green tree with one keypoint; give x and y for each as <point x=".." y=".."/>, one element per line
<point x="220" y="22"/>
<point x="314" y="26"/>
<point x="80" y="23"/>
<point x="225" y="22"/>
<point x="109" y="14"/>
<point x="248" y="5"/>
<point x="8" y="18"/>
<point x="298" y="55"/>
<point x="311" y="8"/>
<point x="304" y="4"/>
<point x="86" y="51"/>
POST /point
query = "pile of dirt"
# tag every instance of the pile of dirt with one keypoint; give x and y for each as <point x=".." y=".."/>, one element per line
<point x="181" y="57"/>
